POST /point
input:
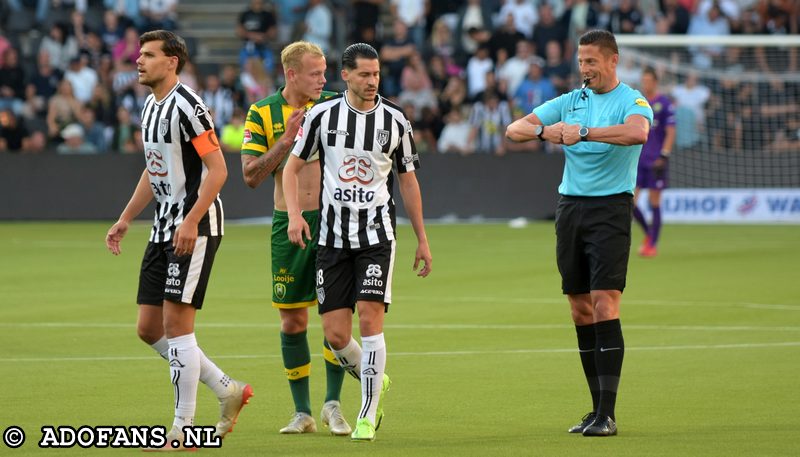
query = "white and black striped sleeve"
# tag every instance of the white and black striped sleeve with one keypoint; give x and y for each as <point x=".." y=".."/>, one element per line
<point x="307" y="140"/>
<point x="195" y="118"/>
<point x="148" y="102"/>
<point x="405" y="156"/>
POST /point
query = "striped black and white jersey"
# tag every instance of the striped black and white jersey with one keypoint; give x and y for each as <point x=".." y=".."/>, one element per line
<point x="357" y="151"/>
<point x="173" y="163"/>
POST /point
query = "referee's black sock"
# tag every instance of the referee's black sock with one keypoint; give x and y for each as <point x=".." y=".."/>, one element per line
<point x="608" y="352"/>
<point x="586" y="343"/>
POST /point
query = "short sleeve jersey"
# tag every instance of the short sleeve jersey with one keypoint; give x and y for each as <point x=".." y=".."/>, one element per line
<point x="357" y="151"/>
<point x="174" y="165"/>
<point x="663" y="117"/>
<point x="592" y="168"/>
<point x="265" y="123"/>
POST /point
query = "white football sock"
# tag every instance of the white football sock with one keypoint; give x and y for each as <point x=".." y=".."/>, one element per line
<point x="373" y="365"/>
<point x="349" y="358"/>
<point x="184" y="368"/>
<point x="210" y="374"/>
<point x="214" y="378"/>
<point x="162" y="347"/>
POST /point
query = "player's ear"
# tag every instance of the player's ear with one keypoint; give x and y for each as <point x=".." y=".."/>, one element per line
<point x="345" y="74"/>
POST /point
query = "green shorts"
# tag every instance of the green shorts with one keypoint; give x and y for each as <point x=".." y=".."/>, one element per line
<point x="293" y="269"/>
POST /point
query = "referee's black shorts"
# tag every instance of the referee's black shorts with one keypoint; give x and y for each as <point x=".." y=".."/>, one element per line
<point x="593" y="242"/>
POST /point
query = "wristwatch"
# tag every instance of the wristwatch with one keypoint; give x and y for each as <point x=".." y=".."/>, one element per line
<point x="583" y="132"/>
<point x="539" y="131"/>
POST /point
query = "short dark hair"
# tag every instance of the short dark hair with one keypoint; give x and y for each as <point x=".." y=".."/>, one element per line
<point x="648" y="70"/>
<point x="171" y="44"/>
<point x="355" y="51"/>
<point x="600" y="38"/>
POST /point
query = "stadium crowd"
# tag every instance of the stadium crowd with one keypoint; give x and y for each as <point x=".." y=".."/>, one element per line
<point x="462" y="70"/>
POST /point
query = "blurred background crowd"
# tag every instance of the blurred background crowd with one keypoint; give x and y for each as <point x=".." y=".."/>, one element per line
<point x="462" y="70"/>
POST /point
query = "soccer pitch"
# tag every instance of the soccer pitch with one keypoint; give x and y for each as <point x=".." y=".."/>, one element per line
<point x="482" y="353"/>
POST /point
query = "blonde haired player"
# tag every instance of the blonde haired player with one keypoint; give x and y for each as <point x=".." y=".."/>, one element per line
<point x="270" y="128"/>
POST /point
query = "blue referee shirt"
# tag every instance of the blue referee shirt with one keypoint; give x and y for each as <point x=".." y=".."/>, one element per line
<point x="596" y="169"/>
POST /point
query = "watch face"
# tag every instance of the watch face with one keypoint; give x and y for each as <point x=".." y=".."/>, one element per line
<point x="539" y="130"/>
<point x="583" y="131"/>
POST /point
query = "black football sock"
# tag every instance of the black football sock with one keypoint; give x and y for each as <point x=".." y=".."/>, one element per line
<point x="609" y="351"/>
<point x="586" y="343"/>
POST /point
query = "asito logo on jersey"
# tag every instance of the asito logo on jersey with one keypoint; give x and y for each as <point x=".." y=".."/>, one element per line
<point x="374" y="271"/>
<point x="373" y="274"/>
<point x="155" y="163"/>
<point x="357" y="169"/>
<point x="173" y="271"/>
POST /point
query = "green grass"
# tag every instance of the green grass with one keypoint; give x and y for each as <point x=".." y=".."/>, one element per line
<point x="482" y="353"/>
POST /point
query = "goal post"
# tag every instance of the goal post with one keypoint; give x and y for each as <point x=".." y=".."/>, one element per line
<point x="738" y="122"/>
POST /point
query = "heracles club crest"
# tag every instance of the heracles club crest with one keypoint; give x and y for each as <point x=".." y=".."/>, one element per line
<point x="383" y="137"/>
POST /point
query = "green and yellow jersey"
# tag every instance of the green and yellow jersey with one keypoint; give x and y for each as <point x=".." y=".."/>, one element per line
<point x="265" y="122"/>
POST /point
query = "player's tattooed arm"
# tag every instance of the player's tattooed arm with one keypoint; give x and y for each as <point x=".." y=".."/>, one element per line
<point x="256" y="169"/>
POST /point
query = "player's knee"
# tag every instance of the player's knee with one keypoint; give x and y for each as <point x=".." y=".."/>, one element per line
<point x="606" y="313"/>
<point x="370" y="324"/>
<point x="293" y="322"/>
<point x="292" y="327"/>
<point x="581" y="309"/>
<point x="337" y="338"/>
<point x="606" y="307"/>
<point x="148" y="334"/>
<point x="338" y="333"/>
<point x="582" y="315"/>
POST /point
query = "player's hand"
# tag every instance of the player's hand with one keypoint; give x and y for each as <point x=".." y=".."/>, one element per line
<point x="293" y="123"/>
<point x="115" y="235"/>
<point x="553" y="133"/>
<point x="423" y="254"/>
<point x="659" y="167"/>
<point x="185" y="238"/>
<point x="570" y="135"/>
<point x="297" y="228"/>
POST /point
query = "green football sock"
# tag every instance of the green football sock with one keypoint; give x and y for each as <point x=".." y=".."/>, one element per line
<point x="297" y="362"/>
<point x="334" y="372"/>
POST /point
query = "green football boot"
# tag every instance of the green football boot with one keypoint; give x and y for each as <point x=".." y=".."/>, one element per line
<point x="384" y="388"/>
<point x="364" y="431"/>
